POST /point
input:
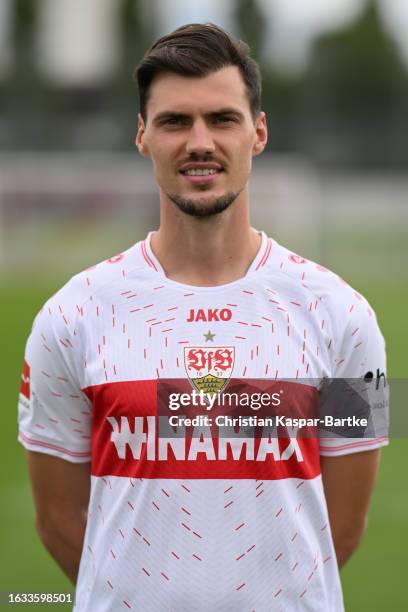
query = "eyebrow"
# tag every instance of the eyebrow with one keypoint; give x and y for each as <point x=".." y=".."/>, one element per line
<point x="222" y="111"/>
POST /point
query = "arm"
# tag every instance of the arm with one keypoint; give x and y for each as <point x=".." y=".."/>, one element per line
<point x="348" y="483"/>
<point x="61" y="496"/>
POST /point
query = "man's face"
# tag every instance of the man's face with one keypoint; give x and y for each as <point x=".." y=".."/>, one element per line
<point x="201" y="137"/>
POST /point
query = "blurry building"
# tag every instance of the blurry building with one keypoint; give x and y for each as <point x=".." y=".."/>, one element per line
<point x="78" y="43"/>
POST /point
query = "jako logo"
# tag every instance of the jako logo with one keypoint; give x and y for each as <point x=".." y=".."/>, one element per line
<point x="211" y="314"/>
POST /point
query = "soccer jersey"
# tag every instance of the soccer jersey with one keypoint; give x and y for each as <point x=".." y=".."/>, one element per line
<point x="186" y="521"/>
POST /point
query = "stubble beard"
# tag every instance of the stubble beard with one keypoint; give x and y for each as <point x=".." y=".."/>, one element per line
<point x="203" y="207"/>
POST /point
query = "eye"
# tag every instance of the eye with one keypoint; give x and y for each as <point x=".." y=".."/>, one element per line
<point x="224" y="119"/>
<point x="173" y="121"/>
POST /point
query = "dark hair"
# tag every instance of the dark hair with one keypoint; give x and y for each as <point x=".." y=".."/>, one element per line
<point x="196" y="50"/>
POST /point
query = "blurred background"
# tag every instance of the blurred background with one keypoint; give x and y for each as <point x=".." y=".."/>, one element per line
<point x="333" y="185"/>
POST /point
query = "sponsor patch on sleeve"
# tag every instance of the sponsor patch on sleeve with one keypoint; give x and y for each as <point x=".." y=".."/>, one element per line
<point x="25" y="380"/>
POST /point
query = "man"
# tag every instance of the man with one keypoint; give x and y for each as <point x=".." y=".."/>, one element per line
<point x="186" y="520"/>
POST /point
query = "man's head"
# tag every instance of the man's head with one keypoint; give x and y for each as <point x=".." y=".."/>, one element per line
<point x="197" y="50"/>
<point x="200" y="120"/>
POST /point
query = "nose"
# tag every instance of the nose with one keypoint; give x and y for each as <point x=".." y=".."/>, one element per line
<point x="200" y="139"/>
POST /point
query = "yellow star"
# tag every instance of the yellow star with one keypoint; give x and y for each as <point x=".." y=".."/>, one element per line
<point x="209" y="336"/>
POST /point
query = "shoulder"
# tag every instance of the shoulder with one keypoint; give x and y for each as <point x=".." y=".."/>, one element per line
<point x="110" y="277"/>
<point x="308" y="276"/>
<point x="345" y="310"/>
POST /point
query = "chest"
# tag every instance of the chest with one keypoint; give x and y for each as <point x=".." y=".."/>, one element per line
<point x="248" y="333"/>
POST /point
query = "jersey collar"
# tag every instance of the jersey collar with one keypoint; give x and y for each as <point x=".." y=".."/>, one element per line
<point x="257" y="264"/>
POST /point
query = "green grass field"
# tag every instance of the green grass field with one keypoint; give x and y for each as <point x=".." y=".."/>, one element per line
<point x="373" y="581"/>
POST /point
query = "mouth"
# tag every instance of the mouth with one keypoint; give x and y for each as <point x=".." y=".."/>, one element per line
<point x="201" y="173"/>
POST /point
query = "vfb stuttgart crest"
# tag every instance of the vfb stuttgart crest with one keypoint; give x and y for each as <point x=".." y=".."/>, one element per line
<point x="209" y="369"/>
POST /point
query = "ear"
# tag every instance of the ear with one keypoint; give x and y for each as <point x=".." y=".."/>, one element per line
<point x="140" y="137"/>
<point x="261" y="138"/>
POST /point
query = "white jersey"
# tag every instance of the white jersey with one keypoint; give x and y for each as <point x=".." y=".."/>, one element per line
<point x="190" y="523"/>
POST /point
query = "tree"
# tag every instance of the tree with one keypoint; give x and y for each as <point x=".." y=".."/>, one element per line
<point x="357" y="70"/>
<point x="251" y="25"/>
<point x="136" y="32"/>
<point x="355" y="95"/>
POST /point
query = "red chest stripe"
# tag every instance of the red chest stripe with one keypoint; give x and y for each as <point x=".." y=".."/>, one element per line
<point x="125" y="441"/>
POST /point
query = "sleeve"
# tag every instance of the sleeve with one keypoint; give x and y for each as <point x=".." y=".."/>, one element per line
<point x="359" y="370"/>
<point x="54" y="414"/>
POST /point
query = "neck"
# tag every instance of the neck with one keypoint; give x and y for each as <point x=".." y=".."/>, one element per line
<point x="206" y="251"/>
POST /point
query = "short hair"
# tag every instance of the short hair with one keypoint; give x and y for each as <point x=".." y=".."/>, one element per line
<point x="197" y="50"/>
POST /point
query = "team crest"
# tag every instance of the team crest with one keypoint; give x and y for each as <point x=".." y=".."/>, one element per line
<point x="209" y="369"/>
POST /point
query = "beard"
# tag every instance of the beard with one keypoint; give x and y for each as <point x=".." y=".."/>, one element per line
<point x="203" y="207"/>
